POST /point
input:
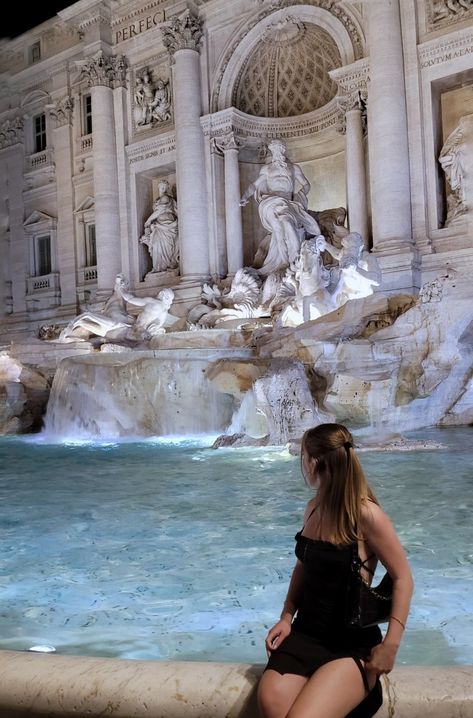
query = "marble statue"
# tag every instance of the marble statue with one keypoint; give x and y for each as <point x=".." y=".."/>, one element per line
<point x="451" y="160"/>
<point x="152" y="100"/>
<point x="282" y="208"/>
<point x="161" y="231"/>
<point x="358" y="270"/>
<point x="124" y="317"/>
<point x="111" y="322"/>
<point x="307" y="280"/>
<point x="152" y="313"/>
<point x="240" y="301"/>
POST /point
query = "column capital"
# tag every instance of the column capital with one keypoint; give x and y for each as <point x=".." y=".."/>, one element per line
<point x="11" y="132"/>
<point x="228" y="141"/>
<point x="183" y="33"/>
<point x="61" y="111"/>
<point x="353" y="101"/>
<point x="103" y="70"/>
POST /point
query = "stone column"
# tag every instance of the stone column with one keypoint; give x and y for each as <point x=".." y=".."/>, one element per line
<point x="387" y="129"/>
<point x="61" y="114"/>
<point x="230" y="145"/>
<point x="15" y="243"/>
<point x="103" y="74"/>
<point x="353" y="105"/>
<point x="182" y="37"/>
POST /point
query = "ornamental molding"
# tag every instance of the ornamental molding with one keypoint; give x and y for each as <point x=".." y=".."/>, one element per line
<point x="260" y="129"/>
<point x="444" y="49"/>
<point x="228" y="141"/>
<point x="182" y="33"/>
<point x="103" y="70"/>
<point x="11" y="132"/>
<point x="62" y="111"/>
<point x="443" y="13"/>
<point x="149" y="7"/>
<point x="352" y="78"/>
<point x="158" y="146"/>
<point x="334" y="7"/>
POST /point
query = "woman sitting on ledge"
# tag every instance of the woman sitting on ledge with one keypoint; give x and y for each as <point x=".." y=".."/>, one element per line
<point x="320" y="666"/>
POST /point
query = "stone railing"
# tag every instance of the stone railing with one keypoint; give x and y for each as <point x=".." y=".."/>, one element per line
<point x="87" y="143"/>
<point x="87" y="274"/>
<point x="38" y="685"/>
<point x="45" y="282"/>
<point x="39" y="160"/>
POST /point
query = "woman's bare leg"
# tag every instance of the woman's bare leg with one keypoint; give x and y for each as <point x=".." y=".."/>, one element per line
<point x="277" y="693"/>
<point x="332" y="692"/>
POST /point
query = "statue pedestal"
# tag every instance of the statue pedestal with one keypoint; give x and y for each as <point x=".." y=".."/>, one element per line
<point x="161" y="279"/>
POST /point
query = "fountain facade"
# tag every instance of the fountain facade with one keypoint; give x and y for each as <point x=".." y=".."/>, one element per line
<point x="271" y="202"/>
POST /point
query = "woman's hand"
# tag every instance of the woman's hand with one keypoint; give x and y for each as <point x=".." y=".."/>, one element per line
<point x="276" y="635"/>
<point x="382" y="658"/>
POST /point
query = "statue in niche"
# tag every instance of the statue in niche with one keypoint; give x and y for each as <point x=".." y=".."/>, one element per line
<point x="161" y="231"/>
<point x="124" y="317"/>
<point x="282" y="208"/>
<point x="451" y="160"/>
<point x="152" y="100"/>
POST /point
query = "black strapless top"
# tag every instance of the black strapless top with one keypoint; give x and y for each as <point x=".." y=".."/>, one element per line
<point x="321" y="610"/>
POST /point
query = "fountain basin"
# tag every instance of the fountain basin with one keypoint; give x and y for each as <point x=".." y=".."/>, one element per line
<point x="33" y="685"/>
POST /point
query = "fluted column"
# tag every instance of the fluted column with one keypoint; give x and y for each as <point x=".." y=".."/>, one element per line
<point x="387" y="128"/>
<point x="230" y="146"/>
<point x="182" y="38"/>
<point x="61" y="114"/>
<point x="103" y="74"/>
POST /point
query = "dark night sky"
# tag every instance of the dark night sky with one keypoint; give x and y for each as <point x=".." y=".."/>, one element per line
<point x="28" y="16"/>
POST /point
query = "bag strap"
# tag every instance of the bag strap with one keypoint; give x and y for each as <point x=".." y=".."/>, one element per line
<point x="357" y="563"/>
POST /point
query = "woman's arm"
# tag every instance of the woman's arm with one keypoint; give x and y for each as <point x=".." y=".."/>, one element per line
<point x="384" y="541"/>
<point x="282" y="628"/>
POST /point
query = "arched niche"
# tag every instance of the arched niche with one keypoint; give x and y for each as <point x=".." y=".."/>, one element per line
<point x="229" y="68"/>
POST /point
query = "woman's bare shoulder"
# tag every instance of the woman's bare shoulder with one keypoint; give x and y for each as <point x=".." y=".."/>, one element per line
<point x="373" y="517"/>
<point x="309" y="508"/>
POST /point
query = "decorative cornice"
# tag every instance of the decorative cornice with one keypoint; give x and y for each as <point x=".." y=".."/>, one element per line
<point x="246" y="126"/>
<point x="443" y="49"/>
<point x="182" y="33"/>
<point x="352" y="78"/>
<point x="11" y="132"/>
<point x="103" y="70"/>
<point x="137" y="12"/>
<point x="62" y="111"/>
<point x="161" y="145"/>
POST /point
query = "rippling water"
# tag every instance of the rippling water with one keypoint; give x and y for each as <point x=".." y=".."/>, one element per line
<point x="176" y="551"/>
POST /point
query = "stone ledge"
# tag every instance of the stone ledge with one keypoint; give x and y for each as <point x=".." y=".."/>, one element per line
<point x="51" y="685"/>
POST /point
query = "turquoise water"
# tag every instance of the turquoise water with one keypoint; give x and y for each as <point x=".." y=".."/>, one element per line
<point x="177" y="551"/>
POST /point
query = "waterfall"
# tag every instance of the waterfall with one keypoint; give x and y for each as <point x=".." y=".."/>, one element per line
<point x="130" y="395"/>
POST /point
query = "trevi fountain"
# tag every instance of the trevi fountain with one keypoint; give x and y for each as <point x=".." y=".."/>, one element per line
<point x="223" y="223"/>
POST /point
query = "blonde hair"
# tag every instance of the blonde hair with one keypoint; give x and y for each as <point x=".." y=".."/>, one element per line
<point x="343" y="486"/>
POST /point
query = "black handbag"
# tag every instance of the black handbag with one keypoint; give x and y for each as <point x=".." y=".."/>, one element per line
<point x="366" y="605"/>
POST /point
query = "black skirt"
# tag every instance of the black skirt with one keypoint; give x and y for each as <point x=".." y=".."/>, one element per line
<point x="302" y="655"/>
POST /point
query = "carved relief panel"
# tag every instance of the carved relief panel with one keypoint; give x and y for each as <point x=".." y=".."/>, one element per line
<point x="152" y="100"/>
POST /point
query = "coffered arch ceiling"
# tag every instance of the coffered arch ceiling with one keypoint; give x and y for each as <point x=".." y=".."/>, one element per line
<point x="278" y="62"/>
<point x="287" y="72"/>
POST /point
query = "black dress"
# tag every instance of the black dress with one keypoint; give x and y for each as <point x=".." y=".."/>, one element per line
<point x="319" y="633"/>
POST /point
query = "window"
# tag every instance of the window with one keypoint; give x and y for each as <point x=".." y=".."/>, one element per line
<point x="87" y="114"/>
<point x="90" y="247"/>
<point x="40" y="133"/>
<point x="42" y="255"/>
<point x="35" y="52"/>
